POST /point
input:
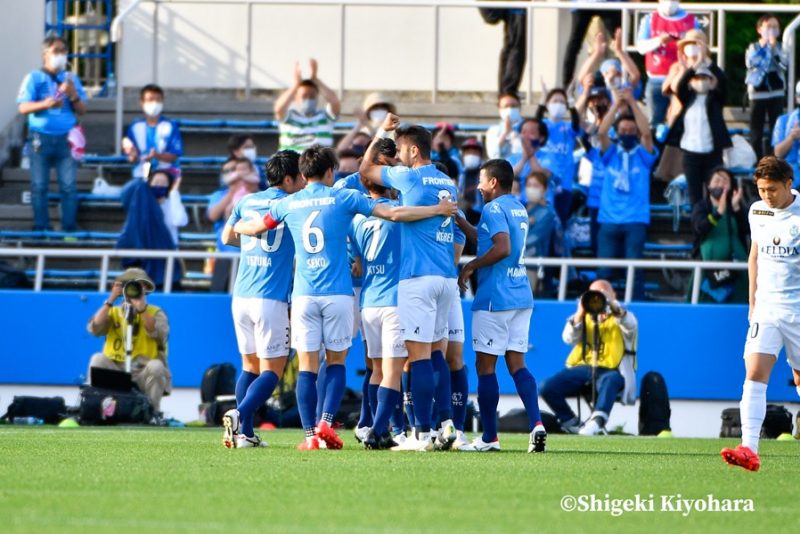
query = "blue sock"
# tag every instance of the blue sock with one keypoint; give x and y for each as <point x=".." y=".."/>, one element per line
<point x="488" y="397"/>
<point x="459" y="382"/>
<point x="373" y="399"/>
<point x="334" y="391"/>
<point x="398" y="417"/>
<point x="422" y="389"/>
<point x="307" y="398"/>
<point x="526" y="388"/>
<point x="365" y="417"/>
<point x="245" y="379"/>
<point x="387" y="401"/>
<point x="257" y="394"/>
<point x="443" y="393"/>
<point x="323" y="368"/>
<point x="408" y="398"/>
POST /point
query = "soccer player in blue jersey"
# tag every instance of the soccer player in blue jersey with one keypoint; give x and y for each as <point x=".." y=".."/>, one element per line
<point x="501" y="311"/>
<point x="318" y="218"/>
<point x="261" y="300"/>
<point x="427" y="285"/>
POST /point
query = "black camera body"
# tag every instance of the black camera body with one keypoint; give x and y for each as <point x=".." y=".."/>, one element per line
<point x="594" y="302"/>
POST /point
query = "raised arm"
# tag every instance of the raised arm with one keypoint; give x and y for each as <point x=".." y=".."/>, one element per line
<point x="592" y="62"/>
<point x="625" y="59"/>
<point x="369" y="170"/>
<point x="641" y="120"/>
<point x="608" y="122"/>
<point x="327" y="93"/>
<point x="284" y="100"/>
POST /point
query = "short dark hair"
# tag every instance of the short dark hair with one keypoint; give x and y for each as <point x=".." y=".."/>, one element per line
<point x="236" y="141"/>
<point x="501" y="170"/>
<point x="539" y="177"/>
<point x="723" y="170"/>
<point x="151" y="88"/>
<point x="625" y="117"/>
<point x="418" y="136"/>
<point x="309" y="83"/>
<point x="504" y="94"/>
<point x="52" y="39"/>
<point x="543" y="132"/>
<point x="384" y="147"/>
<point x="764" y="18"/>
<point x="772" y="168"/>
<point x="555" y="91"/>
<point x="283" y="163"/>
<point x="317" y="160"/>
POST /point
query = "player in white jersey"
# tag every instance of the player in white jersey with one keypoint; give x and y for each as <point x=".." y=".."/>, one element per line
<point x="261" y="300"/>
<point x="774" y="272"/>
<point x="319" y="218"/>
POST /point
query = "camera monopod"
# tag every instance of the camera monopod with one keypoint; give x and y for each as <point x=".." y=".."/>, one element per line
<point x="594" y="303"/>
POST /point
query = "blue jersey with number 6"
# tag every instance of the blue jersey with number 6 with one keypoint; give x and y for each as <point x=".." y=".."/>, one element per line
<point x="319" y="218"/>
<point x="428" y="243"/>
<point x="378" y="244"/>
<point x="504" y="285"/>
<point x="265" y="266"/>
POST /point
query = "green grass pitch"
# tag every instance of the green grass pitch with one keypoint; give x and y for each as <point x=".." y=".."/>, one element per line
<point x="165" y="480"/>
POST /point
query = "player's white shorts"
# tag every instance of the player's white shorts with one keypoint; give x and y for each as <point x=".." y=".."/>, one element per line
<point x="424" y="303"/>
<point x="771" y="331"/>
<point x="455" y="322"/>
<point x="356" y="311"/>
<point x="498" y="332"/>
<point x="318" y="320"/>
<point x="261" y="326"/>
<point x="381" y="328"/>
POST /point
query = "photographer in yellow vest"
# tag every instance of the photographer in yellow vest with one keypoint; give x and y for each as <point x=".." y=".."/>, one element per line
<point x="616" y="361"/>
<point x="150" y="333"/>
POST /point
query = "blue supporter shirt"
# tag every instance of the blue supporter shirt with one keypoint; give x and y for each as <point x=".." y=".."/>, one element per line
<point x="504" y="285"/>
<point x="378" y="243"/>
<point x="265" y="266"/>
<point x="546" y="161"/>
<point x="783" y="127"/>
<point x="625" y="197"/>
<point x="37" y="86"/>
<point x="559" y="149"/>
<point x="598" y="175"/>
<point x="319" y="219"/>
<point x="352" y="181"/>
<point x="164" y="137"/>
<point x="428" y="243"/>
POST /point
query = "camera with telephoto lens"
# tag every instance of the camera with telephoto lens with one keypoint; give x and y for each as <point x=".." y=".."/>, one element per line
<point x="132" y="289"/>
<point x="595" y="302"/>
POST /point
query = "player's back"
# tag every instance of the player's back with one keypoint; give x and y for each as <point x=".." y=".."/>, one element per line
<point x="319" y="218"/>
<point x="265" y="265"/>
<point x="378" y="241"/>
<point x="777" y="232"/>
<point x="504" y="285"/>
<point x="427" y="243"/>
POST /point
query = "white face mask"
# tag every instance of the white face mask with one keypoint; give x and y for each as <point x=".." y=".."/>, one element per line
<point x="691" y="50"/>
<point x="700" y="86"/>
<point x="58" y="61"/>
<point x="152" y="109"/>
<point x="773" y="32"/>
<point x="534" y="194"/>
<point x="614" y="83"/>
<point x="556" y="110"/>
<point x="472" y="161"/>
<point x="250" y="153"/>
<point x="591" y="118"/>
<point x="308" y="106"/>
<point x="668" y="7"/>
<point x="376" y="116"/>
<point x="511" y="113"/>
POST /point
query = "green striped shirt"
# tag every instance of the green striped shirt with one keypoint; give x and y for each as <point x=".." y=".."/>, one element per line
<point x="298" y="131"/>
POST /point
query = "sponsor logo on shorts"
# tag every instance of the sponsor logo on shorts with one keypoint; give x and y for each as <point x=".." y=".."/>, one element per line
<point x="338" y="341"/>
<point x="456" y="332"/>
<point x="416" y="330"/>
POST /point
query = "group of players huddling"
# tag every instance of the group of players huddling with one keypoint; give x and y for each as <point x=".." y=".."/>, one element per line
<point x="399" y="217"/>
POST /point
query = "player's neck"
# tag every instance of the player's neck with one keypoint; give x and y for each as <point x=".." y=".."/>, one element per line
<point x="787" y="203"/>
<point x="421" y="163"/>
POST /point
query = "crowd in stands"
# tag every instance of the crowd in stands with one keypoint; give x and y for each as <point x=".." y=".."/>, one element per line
<point x="584" y="161"/>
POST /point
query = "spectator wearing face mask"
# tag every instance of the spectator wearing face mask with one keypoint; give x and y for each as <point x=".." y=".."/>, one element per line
<point x="786" y="137"/>
<point x="581" y="19"/>
<point x="502" y="140"/>
<point x="700" y="130"/>
<point x="625" y="198"/>
<point x="52" y="97"/>
<point x="766" y="80"/>
<point x="369" y="118"/>
<point x="545" y="235"/>
<point x="244" y="146"/>
<point x="154" y="141"/>
<point x="533" y="135"/>
<point x="657" y="41"/>
<point x="472" y="151"/>
<point x="302" y="122"/>
<point x="563" y="129"/>
<point x="243" y="181"/>
<point x="721" y="228"/>
<point x="444" y="149"/>
<point x="218" y="204"/>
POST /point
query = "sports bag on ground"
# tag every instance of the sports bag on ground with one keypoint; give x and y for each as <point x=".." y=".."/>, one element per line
<point x="49" y="409"/>
<point x="109" y="407"/>
<point x="654" y="410"/>
<point x="777" y="421"/>
<point x="219" y="379"/>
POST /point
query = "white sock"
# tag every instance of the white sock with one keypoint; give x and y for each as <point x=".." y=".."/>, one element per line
<point x="798" y="391"/>
<point x="752" y="409"/>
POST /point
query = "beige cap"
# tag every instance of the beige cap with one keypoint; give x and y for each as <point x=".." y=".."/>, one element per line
<point x="693" y="36"/>
<point x="134" y="273"/>
<point x="374" y="99"/>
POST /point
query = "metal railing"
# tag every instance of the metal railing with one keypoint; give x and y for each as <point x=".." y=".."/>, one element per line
<point x="105" y="256"/>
